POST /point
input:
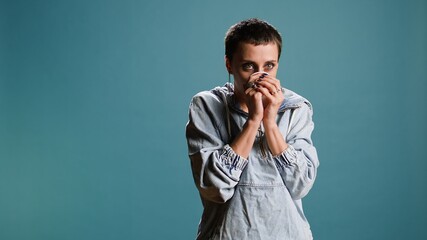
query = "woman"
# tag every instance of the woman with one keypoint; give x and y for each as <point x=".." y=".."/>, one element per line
<point x="250" y="144"/>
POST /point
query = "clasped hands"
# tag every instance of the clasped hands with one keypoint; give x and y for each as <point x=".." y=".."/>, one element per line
<point x="264" y="96"/>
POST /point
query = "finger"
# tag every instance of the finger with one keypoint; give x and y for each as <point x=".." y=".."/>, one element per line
<point x="271" y="87"/>
<point x="254" y="78"/>
<point x="250" y="84"/>
<point x="266" y="93"/>
<point x="255" y="101"/>
<point x="254" y="96"/>
<point x="251" y="91"/>
<point x="258" y="74"/>
<point x="270" y="83"/>
<point x="271" y="79"/>
<point x="275" y="97"/>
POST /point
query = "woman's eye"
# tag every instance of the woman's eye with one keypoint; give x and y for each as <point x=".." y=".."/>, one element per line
<point x="269" y="66"/>
<point x="248" y="66"/>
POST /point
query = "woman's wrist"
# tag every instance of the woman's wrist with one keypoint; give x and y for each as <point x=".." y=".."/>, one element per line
<point x="253" y="123"/>
<point x="270" y="124"/>
<point x="255" y="118"/>
<point x="275" y="139"/>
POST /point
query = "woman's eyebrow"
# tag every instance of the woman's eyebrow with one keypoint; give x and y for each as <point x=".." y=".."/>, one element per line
<point x="250" y="61"/>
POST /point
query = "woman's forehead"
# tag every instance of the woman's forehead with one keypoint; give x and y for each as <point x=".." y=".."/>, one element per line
<point x="249" y="51"/>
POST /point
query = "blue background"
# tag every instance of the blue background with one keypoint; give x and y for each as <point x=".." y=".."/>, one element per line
<point x="94" y="98"/>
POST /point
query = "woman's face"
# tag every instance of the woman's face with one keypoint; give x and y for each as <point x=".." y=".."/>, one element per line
<point x="250" y="58"/>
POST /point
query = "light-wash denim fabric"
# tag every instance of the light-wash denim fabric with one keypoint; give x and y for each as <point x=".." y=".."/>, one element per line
<point x="258" y="197"/>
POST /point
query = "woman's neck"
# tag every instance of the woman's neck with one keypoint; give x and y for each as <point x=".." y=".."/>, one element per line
<point x="241" y="100"/>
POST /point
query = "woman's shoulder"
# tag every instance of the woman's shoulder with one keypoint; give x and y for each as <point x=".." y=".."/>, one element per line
<point x="294" y="100"/>
<point x="212" y="97"/>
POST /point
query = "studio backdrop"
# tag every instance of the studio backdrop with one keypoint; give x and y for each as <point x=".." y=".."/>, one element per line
<point x="94" y="100"/>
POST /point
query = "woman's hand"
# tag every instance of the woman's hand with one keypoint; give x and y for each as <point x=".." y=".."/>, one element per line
<point x="263" y="97"/>
<point x="254" y="98"/>
<point x="272" y="96"/>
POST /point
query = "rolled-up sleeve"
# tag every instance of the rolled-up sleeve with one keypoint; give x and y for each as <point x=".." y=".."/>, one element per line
<point x="216" y="167"/>
<point x="298" y="164"/>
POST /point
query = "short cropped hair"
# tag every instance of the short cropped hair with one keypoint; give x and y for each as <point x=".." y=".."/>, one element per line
<point x="253" y="31"/>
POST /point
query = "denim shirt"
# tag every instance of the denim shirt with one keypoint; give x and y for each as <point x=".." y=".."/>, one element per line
<point x="254" y="198"/>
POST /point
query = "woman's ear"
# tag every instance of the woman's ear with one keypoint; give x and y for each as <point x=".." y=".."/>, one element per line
<point x="228" y="65"/>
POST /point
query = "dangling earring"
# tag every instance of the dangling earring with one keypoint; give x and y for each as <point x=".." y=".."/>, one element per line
<point x="229" y="83"/>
